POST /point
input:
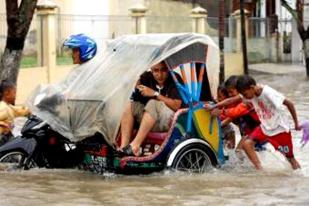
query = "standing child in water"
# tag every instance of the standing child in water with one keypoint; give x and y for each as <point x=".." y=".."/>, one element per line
<point x="274" y="128"/>
<point x="227" y="129"/>
<point x="242" y="115"/>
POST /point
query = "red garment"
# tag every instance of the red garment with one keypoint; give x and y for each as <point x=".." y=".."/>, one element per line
<point x="281" y="141"/>
<point x="237" y="111"/>
<point x="242" y="115"/>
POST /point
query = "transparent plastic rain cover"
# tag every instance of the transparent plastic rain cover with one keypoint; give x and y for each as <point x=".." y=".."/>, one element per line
<point x="93" y="96"/>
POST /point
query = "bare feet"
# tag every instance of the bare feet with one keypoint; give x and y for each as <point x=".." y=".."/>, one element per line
<point x="135" y="150"/>
<point x="129" y="150"/>
<point x="239" y="154"/>
<point x="294" y="163"/>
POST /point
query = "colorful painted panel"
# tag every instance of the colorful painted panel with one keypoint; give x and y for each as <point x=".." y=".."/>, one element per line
<point x="207" y="127"/>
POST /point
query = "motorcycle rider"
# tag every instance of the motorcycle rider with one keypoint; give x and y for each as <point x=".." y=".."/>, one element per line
<point x="83" y="48"/>
<point x="53" y="152"/>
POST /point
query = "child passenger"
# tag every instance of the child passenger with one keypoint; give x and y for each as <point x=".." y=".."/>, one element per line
<point x="8" y="110"/>
<point x="274" y="128"/>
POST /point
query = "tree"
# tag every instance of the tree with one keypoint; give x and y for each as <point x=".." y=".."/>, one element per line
<point x="243" y="36"/>
<point x="19" y="15"/>
<point x="221" y="39"/>
<point x="297" y="14"/>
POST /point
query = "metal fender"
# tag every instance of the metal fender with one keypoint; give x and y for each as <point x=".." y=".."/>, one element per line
<point x="182" y="145"/>
<point x="25" y="144"/>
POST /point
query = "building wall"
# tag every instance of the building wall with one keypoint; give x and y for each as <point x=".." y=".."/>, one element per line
<point x="168" y="16"/>
<point x="250" y="6"/>
<point x="77" y="16"/>
<point x="121" y="7"/>
<point x="2" y="7"/>
<point x="82" y="7"/>
<point x="306" y="12"/>
<point x="162" y="16"/>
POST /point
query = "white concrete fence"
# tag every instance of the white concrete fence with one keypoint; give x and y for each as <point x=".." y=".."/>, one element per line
<point x="49" y="25"/>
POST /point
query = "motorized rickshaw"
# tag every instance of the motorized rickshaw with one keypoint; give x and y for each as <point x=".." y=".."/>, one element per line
<point x="89" y="104"/>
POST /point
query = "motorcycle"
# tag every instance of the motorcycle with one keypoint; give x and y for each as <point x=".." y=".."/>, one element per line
<point x="40" y="146"/>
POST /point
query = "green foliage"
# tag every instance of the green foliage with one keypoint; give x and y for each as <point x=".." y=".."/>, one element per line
<point x="31" y="61"/>
<point x="28" y="61"/>
<point x="64" y="60"/>
<point x="256" y="57"/>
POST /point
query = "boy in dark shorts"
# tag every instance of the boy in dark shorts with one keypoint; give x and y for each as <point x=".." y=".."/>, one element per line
<point x="274" y="128"/>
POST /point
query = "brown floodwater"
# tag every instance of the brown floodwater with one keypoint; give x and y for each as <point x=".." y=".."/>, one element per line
<point x="236" y="183"/>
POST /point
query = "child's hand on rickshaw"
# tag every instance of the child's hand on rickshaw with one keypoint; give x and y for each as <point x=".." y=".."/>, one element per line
<point x="215" y="112"/>
<point x="209" y="106"/>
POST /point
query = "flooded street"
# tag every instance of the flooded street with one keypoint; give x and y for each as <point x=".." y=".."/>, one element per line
<point x="234" y="184"/>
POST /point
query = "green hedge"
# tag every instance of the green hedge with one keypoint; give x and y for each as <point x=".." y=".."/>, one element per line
<point x="31" y="61"/>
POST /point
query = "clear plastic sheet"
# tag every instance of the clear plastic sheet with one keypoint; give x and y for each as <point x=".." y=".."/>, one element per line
<point x="93" y="96"/>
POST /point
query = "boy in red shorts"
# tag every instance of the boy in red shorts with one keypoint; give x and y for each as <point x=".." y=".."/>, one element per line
<point x="242" y="115"/>
<point x="274" y="128"/>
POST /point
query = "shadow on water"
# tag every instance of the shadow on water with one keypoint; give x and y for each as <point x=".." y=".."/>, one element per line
<point x="236" y="183"/>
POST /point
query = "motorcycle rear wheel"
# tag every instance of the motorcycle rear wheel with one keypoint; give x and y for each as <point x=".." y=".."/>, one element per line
<point x="15" y="160"/>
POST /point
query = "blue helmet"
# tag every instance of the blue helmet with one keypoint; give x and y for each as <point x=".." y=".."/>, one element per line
<point x="87" y="46"/>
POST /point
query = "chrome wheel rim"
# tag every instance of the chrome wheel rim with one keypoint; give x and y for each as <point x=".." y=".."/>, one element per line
<point x="194" y="161"/>
<point x="15" y="160"/>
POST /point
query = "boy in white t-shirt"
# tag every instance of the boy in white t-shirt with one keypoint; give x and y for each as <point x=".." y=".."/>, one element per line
<point x="269" y="105"/>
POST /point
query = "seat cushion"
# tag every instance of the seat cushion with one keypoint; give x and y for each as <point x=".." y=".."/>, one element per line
<point x="155" y="137"/>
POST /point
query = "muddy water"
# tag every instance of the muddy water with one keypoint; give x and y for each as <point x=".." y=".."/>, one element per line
<point x="236" y="183"/>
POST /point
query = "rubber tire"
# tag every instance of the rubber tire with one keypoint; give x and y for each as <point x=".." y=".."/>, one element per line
<point x="5" y="154"/>
<point x="195" y="146"/>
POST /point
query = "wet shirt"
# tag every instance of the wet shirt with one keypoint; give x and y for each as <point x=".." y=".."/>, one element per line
<point x="270" y="109"/>
<point x="169" y="90"/>
<point x="244" y="116"/>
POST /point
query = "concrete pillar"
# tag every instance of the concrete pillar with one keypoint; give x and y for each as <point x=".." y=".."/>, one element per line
<point x="138" y="13"/>
<point x="263" y="24"/>
<point x="296" y="52"/>
<point x="236" y="16"/>
<point x="306" y="24"/>
<point x="46" y="11"/>
<point x="199" y="16"/>
<point x="306" y="13"/>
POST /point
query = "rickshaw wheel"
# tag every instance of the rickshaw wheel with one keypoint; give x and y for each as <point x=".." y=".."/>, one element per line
<point x="194" y="158"/>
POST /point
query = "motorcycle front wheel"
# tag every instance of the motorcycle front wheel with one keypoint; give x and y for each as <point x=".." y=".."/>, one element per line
<point x="15" y="160"/>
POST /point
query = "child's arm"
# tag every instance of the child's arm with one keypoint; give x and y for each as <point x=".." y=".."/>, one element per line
<point x="224" y="103"/>
<point x="20" y="110"/>
<point x="4" y="124"/>
<point x="292" y="110"/>
<point x="237" y="111"/>
<point x="226" y="121"/>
